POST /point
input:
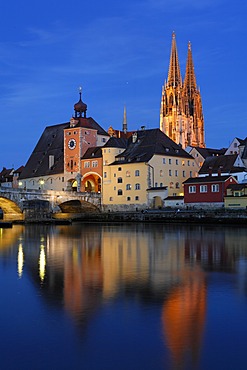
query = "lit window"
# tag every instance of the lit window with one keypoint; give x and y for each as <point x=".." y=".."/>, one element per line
<point x="161" y="173"/>
<point x="127" y="173"/>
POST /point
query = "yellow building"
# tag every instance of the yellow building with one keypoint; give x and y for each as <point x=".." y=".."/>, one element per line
<point x="135" y="169"/>
<point x="236" y="196"/>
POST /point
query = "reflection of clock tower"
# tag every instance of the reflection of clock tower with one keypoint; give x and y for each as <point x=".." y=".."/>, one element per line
<point x="78" y="137"/>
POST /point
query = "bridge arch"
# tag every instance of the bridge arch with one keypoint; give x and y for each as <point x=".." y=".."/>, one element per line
<point x="11" y="210"/>
<point x="77" y="206"/>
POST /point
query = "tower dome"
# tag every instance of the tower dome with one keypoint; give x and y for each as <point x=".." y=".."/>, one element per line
<point x="80" y="107"/>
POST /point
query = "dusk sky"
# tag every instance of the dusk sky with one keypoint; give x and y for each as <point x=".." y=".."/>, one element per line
<point x="119" y="53"/>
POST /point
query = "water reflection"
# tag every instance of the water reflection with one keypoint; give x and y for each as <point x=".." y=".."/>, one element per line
<point x="80" y="268"/>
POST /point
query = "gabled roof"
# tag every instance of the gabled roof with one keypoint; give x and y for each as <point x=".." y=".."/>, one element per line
<point x="91" y="153"/>
<point x="148" y="143"/>
<point x="50" y="143"/>
<point x="207" y="179"/>
<point x="19" y="170"/>
<point x="90" y="123"/>
<point x="207" y="152"/>
<point x="237" y="186"/>
<point x="115" y="142"/>
<point x="6" y="174"/>
<point x="222" y="163"/>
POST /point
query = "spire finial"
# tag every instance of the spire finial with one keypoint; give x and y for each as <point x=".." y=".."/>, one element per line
<point x="80" y="91"/>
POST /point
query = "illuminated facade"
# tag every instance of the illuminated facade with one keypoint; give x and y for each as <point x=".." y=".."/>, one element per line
<point x="181" y="115"/>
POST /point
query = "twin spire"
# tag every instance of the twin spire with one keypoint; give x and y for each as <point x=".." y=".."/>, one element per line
<point x="181" y="116"/>
<point x="174" y="73"/>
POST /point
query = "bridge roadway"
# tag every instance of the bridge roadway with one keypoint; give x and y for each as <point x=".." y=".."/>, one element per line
<point x="20" y="204"/>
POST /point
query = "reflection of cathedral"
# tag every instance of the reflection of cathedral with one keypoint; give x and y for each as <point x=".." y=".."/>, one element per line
<point x="183" y="318"/>
<point x="81" y="267"/>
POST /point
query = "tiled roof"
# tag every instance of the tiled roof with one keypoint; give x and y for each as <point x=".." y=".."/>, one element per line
<point x="148" y="143"/>
<point x="224" y="163"/>
<point x="207" y="152"/>
<point x="94" y="152"/>
<point x="114" y="142"/>
<point x="202" y="180"/>
<point x="51" y="142"/>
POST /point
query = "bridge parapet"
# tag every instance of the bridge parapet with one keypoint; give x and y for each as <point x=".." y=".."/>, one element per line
<point x="55" y="198"/>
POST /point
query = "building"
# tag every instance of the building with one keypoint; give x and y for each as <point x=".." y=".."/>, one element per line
<point x="181" y="114"/>
<point x="236" y="196"/>
<point x="6" y="177"/>
<point x="200" y="154"/>
<point x="55" y="163"/>
<point x="224" y="165"/>
<point x="142" y="171"/>
<point x="208" y="191"/>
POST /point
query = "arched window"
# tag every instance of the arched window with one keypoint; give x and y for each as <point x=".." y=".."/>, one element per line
<point x="137" y="173"/>
<point x="119" y="192"/>
<point x="128" y="187"/>
<point x="119" y="180"/>
<point x="137" y="186"/>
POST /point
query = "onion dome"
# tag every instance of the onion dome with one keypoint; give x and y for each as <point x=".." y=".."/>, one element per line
<point x="80" y="108"/>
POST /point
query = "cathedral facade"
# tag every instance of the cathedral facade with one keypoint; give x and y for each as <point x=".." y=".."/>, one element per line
<point x="181" y="115"/>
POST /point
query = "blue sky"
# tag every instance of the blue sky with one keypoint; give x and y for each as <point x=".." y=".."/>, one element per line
<point x="119" y="53"/>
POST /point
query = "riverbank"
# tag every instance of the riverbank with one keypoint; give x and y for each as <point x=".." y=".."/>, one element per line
<point x="165" y="216"/>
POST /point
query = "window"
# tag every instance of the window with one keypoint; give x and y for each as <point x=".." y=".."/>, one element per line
<point x="156" y="185"/>
<point x="62" y="179"/>
<point x="170" y="172"/>
<point x="183" y="173"/>
<point x="215" y="188"/>
<point x="192" y="189"/>
<point x="171" y="185"/>
<point x="128" y="187"/>
<point x="161" y="173"/>
<point x="164" y="161"/>
<point x="111" y="199"/>
<point x="161" y="184"/>
<point x="128" y="199"/>
<point x="176" y="161"/>
<point x="188" y="162"/>
<point x="119" y="168"/>
<point x="86" y="164"/>
<point x="170" y="161"/>
<point x="103" y="139"/>
<point x="95" y="164"/>
<point x="137" y="197"/>
<point x="119" y="180"/>
<point x="119" y="192"/>
<point x="127" y="173"/>
<point x="203" y="188"/>
<point x="137" y="186"/>
<point x="105" y="175"/>
<point x="176" y="173"/>
<point x="137" y="173"/>
<point x="182" y="163"/>
<point x="191" y="174"/>
<point x="177" y="185"/>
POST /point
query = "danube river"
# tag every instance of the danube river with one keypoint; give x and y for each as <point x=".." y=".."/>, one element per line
<point x="123" y="297"/>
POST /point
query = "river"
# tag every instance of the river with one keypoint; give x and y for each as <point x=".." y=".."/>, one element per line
<point x="123" y="296"/>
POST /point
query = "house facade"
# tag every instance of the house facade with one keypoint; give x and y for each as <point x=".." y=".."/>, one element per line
<point x="236" y="196"/>
<point x="208" y="191"/>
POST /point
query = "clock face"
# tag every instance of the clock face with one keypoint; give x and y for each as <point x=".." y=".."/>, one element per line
<point x="72" y="144"/>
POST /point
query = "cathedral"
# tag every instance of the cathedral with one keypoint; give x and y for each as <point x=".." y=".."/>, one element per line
<point x="181" y="116"/>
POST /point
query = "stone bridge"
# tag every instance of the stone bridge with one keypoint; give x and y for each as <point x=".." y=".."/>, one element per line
<point x="19" y="204"/>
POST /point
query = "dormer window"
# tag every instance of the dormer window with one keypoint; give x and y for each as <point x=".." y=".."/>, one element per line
<point x="134" y="137"/>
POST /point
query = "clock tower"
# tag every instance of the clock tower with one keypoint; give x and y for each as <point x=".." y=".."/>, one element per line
<point x="78" y="137"/>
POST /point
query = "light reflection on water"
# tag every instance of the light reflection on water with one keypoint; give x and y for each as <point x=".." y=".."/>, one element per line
<point x="146" y="296"/>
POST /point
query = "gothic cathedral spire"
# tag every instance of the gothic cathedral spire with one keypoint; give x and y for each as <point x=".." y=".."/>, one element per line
<point x="181" y="116"/>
